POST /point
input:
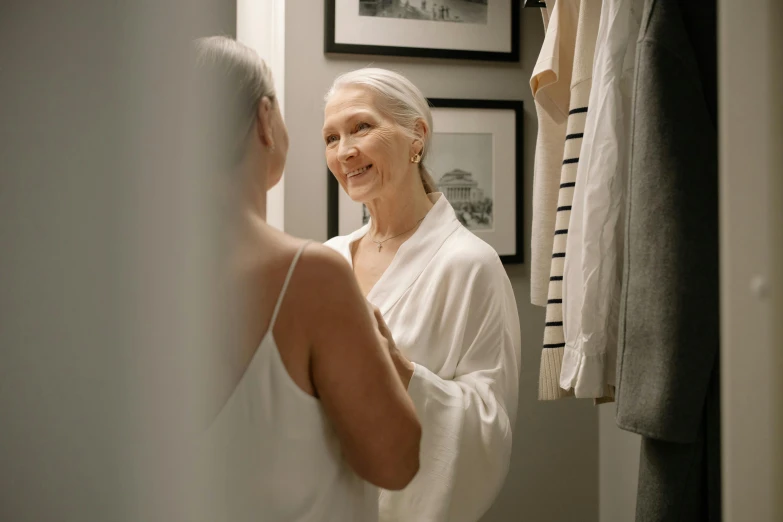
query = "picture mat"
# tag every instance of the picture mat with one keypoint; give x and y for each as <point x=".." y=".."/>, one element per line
<point x="495" y="36"/>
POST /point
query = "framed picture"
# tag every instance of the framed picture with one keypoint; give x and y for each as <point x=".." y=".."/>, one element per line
<point x="476" y="161"/>
<point x="463" y="29"/>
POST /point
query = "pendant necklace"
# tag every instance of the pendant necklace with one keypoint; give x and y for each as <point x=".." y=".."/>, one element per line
<point x="380" y="243"/>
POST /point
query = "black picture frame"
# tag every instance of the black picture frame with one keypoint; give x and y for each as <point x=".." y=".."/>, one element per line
<point x="330" y="46"/>
<point x="333" y="187"/>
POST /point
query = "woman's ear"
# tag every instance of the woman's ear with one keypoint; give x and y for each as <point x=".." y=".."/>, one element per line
<point x="421" y="131"/>
<point x="264" y="120"/>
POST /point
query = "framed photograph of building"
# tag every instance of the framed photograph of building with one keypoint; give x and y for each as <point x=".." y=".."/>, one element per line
<point x="462" y="29"/>
<point x="476" y="161"/>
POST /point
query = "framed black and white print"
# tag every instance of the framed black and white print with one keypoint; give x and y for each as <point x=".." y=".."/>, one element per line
<point x="475" y="159"/>
<point x="461" y="29"/>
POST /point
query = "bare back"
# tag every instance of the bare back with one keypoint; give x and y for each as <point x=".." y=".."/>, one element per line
<point x="332" y="349"/>
<point x="262" y="269"/>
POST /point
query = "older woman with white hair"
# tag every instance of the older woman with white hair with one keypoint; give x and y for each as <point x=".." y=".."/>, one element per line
<point x="442" y="291"/>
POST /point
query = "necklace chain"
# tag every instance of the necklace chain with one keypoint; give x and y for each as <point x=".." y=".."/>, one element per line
<point x="380" y="243"/>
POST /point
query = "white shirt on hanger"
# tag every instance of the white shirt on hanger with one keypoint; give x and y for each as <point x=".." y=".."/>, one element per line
<point x="593" y="262"/>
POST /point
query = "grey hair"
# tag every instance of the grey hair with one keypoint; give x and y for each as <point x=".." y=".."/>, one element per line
<point x="400" y="99"/>
<point x="237" y="79"/>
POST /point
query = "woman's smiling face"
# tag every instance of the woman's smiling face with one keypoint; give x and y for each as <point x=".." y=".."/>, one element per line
<point x="366" y="150"/>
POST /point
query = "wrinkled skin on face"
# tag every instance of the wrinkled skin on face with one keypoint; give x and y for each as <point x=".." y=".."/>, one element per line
<point x="366" y="150"/>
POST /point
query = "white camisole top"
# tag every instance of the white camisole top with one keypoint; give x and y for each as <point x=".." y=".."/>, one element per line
<point x="275" y="456"/>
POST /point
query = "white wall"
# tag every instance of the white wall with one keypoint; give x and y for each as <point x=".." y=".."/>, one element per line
<point x="554" y="469"/>
<point x="751" y="259"/>
<point x="261" y="25"/>
<point x="618" y="457"/>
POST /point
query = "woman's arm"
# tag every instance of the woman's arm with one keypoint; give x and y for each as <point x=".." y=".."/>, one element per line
<point x="354" y="376"/>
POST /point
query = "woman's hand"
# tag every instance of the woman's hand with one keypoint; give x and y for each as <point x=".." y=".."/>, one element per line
<point x="404" y="366"/>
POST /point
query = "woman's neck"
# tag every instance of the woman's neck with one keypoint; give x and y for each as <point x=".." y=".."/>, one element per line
<point x="241" y="219"/>
<point x="250" y="182"/>
<point x="399" y="213"/>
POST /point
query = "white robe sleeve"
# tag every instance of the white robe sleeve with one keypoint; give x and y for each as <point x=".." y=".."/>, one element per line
<point x="467" y="420"/>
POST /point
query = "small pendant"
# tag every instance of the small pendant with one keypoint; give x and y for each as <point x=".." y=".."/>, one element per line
<point x="379" y="248"/>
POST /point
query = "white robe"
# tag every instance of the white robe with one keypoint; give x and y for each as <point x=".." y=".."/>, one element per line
<point x="450" y="307"/>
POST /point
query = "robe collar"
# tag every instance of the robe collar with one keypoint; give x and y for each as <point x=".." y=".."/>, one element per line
<point x="414" y="254"/>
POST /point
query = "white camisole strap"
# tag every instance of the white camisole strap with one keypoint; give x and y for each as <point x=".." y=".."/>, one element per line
<point x="285" y="285"/>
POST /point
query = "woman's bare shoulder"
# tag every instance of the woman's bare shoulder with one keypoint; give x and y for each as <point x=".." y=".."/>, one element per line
<point x="321" y="275"/>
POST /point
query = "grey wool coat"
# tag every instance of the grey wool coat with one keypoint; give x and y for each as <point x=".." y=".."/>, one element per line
<point x="669" y="319"/>
<point x="669" y="312"/>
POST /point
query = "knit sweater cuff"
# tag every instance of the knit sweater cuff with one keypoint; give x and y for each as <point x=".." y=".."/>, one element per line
<point x="549" y="376"/>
